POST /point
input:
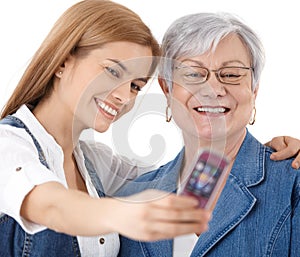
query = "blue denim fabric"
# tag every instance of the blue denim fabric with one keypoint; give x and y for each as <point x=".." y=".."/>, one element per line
<point x="15" y="242"/>
<point x="257" y="214"/>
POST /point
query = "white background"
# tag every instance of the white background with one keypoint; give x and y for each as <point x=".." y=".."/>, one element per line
<point x="24" y="24"/>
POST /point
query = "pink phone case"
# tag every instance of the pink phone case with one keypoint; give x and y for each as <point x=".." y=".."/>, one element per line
<point x="206" y="178"/>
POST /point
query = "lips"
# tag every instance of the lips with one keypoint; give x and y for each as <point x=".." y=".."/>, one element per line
<point x="106" y="108"/>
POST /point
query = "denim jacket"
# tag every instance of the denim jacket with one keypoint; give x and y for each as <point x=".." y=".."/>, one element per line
<point x="15" y="242"/>
<point x="257" y="214"/>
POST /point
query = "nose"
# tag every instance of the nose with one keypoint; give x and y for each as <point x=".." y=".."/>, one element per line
<point x="122" y="93"/>
<point x="213" y="87"/>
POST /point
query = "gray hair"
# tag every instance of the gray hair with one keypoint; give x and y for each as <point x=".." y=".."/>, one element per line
<point x="195" y="34"/>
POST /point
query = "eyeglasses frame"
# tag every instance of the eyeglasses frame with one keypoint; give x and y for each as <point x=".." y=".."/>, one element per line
<point x="216" y="72"/>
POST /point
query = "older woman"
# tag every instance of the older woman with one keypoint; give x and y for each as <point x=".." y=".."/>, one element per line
<point x="210" y="77"/>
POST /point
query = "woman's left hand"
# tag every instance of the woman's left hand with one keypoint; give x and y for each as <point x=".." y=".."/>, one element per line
<point x="286" y="147"/>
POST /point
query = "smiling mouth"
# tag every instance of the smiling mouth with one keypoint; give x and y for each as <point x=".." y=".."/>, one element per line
<point x="212" y="110"/>
<point x="107" y="109"/>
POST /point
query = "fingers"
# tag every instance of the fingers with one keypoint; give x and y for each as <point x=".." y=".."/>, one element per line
<point x="277" y="143"/>
<point x="164" y="224"/>
<point x="177" y="215"/>
<point x="173" y="215"/>
<point x="286" y="147"/>
<point x="164" y="217"/>
<point x="163" y="230"/>
<point x="162" y="198"/>
<point x="294" y="144"/>
<point x="296" y="162"/>
<point x="173" y="201"/>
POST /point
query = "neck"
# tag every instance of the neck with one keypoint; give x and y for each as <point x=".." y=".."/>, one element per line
<point x="228" y="145"/>
<point x="58" y="121"/>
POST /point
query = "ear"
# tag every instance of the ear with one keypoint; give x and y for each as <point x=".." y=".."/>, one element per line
<point x="60" y="70"/>
<point x="256" y="90"/>
<point x="163" y="86"/>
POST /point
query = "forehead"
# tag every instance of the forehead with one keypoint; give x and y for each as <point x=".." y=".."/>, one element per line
<point x="124" y="50"/>
<point x="230" y="49"/>
<point x="133" y="57"/>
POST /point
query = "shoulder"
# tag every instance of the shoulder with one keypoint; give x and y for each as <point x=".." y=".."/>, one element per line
<point x="282" y="169"/>
<point x="171" y="168"/>
<point x="253" y="165"/>
<point x="282" y="175"/>
<point x="164" y="178"/>
<point x="278" y="166"/>
<point x="10" y="134"/>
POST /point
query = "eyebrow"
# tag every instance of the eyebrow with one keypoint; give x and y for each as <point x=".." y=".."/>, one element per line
<point x="118" y="63"/>
<point x="190" y="60"/>
<point x="223" y="64"/>
<point x="238" y="61"/>
<point x="125" y="69"/>
<point x="143" y="80"/>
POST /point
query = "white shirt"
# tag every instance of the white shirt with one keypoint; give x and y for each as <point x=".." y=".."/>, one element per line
<point x="18" y="150"/>
<point x="183" y="245"/>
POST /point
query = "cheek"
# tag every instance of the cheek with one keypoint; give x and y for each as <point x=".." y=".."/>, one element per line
<point x="180" y="97"/>
<point x="130" y="104"/>
<point x="74" y="86"/>
<point x="245" y="102"/>
<point x="179" y="106"/>
<point x="181" y="94"/>
<point x="78" y="95"/>
<point x="126" y="108"/>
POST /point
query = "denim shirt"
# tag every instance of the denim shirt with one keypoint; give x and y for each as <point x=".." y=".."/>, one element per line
<point x="257" y="214"/>
<point x="15" y="242"/>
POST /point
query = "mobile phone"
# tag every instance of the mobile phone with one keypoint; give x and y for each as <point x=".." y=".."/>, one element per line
<point x="207" y="175"/>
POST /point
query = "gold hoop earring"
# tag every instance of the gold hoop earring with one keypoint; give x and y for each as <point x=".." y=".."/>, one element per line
<point x="168" y="118"/>
<point x="252" y="120"/>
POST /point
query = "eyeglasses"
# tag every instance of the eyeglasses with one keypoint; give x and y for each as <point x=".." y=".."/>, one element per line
<point x="191" y="75"/>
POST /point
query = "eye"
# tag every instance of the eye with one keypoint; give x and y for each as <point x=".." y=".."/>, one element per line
<point x="230" y="75"/>
<point x="113" y="72"/>
<point x="135" y="87"/>
<point x="193" y="75"/>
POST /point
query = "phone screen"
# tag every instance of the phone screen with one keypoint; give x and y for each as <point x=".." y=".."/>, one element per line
<point x="205" y="177"/>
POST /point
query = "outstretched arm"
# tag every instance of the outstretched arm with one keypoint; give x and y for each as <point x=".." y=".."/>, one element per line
<point x="286" y="147"/>
<point x="149" y="215"/>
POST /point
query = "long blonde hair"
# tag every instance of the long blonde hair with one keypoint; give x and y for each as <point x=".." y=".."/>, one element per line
<point x="84" y="26"/>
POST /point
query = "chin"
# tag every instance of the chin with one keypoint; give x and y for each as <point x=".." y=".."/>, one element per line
<point x="101" y="128"/>
<point x="211" y="134"/>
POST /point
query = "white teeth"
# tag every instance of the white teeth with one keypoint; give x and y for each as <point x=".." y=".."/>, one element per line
<point x="107" y="109"/>
<point x="212" y="110"/>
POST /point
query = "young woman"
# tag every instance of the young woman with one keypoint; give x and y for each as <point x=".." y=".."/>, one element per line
<point x="86" y="74"/>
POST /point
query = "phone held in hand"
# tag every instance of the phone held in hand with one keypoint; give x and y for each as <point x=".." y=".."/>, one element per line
<point x="207" y="176"/>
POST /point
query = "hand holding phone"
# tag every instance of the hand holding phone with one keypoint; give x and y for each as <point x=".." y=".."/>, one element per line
<point x="207" y="176"/>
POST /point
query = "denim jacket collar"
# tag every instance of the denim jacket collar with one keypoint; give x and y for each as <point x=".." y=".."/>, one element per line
<point x="252" y="172"/>
<point x="235" y="202"/>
